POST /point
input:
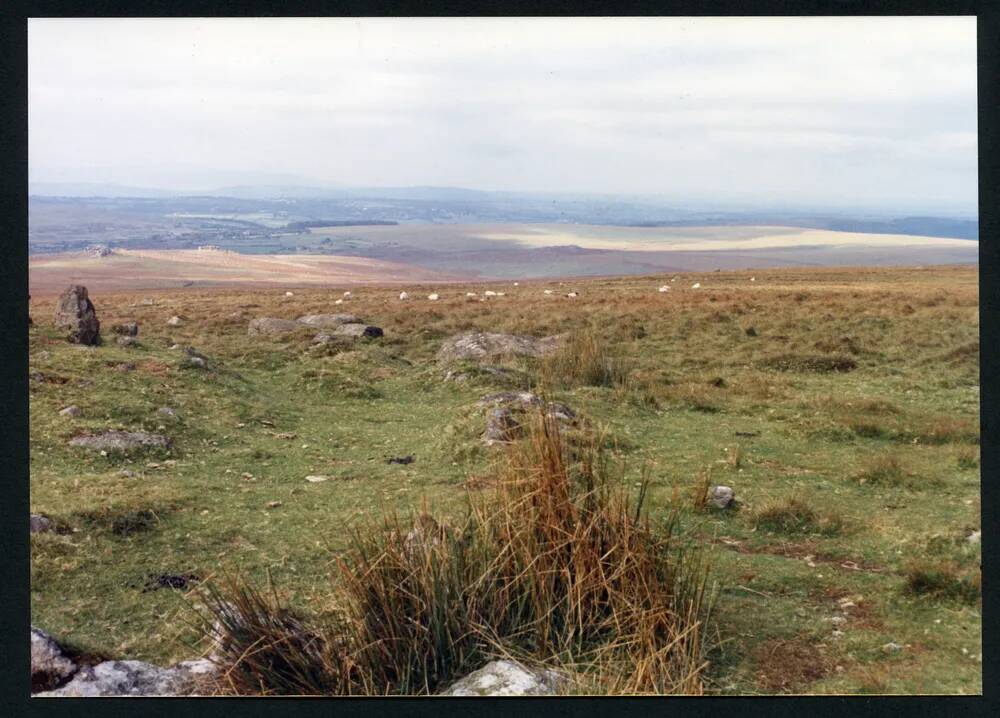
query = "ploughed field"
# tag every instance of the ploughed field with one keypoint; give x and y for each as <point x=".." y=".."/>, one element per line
<point x="841" y="405"/>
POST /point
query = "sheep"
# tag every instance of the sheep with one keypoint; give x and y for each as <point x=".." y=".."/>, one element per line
<point x="696" y="285"/>
<point x="339" y="301"/>
<point x="289" y="294"/>
<point x="753" y="279"/>
<point x="403" y="296"/>
<point x="501" y="294"/>
<point x="571" y="295"/>
<point x="347" y="294"/>
<point x="664" y="288"/>
<point x="548" y="291"/>
<point x="433" y="297"/>
<point x="490" y="293"/>
<point x="517" y="284"/>
<point x="470" y="294"/>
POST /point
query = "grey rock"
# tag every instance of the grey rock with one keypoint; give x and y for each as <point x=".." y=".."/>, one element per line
<point x="50" y="665"/>
<point x="270" y="325"/>
<point x="75" y="313"/>
<point x="506" y="678"/>
<point x="175" y="321"/>
<point x="333" y="340"/>
<point x="72" y="410"/>
<point x="483" y="345"/>
<point x="975" y="537"/>
<point x="328" y="321"/>
<point x="167" y="411"/>
<point x="502" y="424"/>
<point x="121" y="441"/>
<point x="127" y="341"/>
<point x="460" y="376"/>
<point x="358" y="330"/>
<point x="721" y="497"/>
<point x="40" y="524"/>
<point x="134" y="678"/>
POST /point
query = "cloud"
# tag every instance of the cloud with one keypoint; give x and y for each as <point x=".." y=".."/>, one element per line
<point x="687" y="107"/>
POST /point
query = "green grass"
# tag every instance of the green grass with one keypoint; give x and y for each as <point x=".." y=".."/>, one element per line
<point x="269" y="412"/>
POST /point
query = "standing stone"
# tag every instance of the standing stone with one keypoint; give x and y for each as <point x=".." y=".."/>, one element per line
<point x="721" y="497"/>
<point x="75" y="312"/>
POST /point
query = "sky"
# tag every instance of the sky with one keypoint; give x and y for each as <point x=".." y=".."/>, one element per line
<point x="820" y="112"/>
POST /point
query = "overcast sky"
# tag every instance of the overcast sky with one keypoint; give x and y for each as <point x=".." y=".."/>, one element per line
<point x="877" y="112"/>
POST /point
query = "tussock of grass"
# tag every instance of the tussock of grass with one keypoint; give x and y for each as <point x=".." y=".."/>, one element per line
<point x="584" y="359"/>
<point x="883" y="470"/>
<point x="816" y="363"/>
<point x="793" y="515"/>
<point x="943" y="579"/>
<point x="556" y="563"/>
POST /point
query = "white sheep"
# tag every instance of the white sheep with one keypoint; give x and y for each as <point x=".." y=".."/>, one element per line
<point x="289" y="294"/>
<point x="490" y="293"/>
<point x="664" y="288"/>
<point x="470" y="294"/>
<point x="753" y="279"/>
<point x="501" y="294"/>
<point x="517" y="284"/>
<point x="433" y="297"/>
<point x="347" y="294"/>
<point x="548" y="291"/>
<point x="696" y="285"/>
<point x="571" y="295"/>
<point x="404" y="295"/>
<point x="339" y="301"/>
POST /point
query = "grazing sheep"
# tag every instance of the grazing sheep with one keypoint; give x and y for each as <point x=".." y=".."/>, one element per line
<point x="433" y="297"/>
<point x="517" y="284"/>
<point x="572" y="294"/>
<point x="470" y="294"/>
<point x="404" y="295"/>
<point x="753" y="279"/>
<point x="490" y="293"/>
<point x="339" y="301"/>
<point x="664" y="288"/>
<point x="289" y="294"/>
<point x="696" y="285"/>
<point x="548" y="291"/>
<point x="347" y="294"/>
<point x="501" y="294"/>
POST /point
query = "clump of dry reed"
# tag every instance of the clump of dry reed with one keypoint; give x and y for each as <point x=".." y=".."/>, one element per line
<point x="558" y="564"/>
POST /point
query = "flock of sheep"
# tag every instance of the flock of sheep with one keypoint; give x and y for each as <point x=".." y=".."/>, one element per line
<point x="403" y="296"/>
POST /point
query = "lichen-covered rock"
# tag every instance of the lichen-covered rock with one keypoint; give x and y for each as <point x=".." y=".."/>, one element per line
<point x="721" y="497"/>
<point x="506" y="678"/>
<point x="40" y="524"/>
<point x="121" y="441"/>
<point x="127" y="341"/>
<point x="75" y="312"/>
<point x="50" y="666"/>
<point x="134" y="678"/>
<point x="72" y="410"/>
<point x="358" y="330"/>
<point x="483" y="345"/>
<point x="328" y="321"/>
<point x="270" y="325"/>
<point x="502" y="423"/>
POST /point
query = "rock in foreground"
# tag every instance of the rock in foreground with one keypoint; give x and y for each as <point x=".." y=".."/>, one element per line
<point x="502" y="424"/>
<point x="50" y="665"/>
<point x="328" y="321"/>
<point x="134" y="678"/>
<point x="358" y="330"/>
<point x="75" y="312"/>
<point x="483" y="345"/>
<point x="505" y="678"/>
<point x="721" y="497"/>
<point x="123" y="441"/>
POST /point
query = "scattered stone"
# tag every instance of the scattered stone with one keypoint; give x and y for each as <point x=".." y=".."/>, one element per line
<point x="270" y="325"/>
<point x="317" y="478"/>
<point x="75" y="312"/>
<point x="506" y="678"/>
<point x="273" y="504"/>
<point x="433" y="297"/>
<point x="39" y="524"/>
<point x="169" y="580"/>
<point x="124" y="366"/>
<point x="127" y="473"/>
<point x="328" y="320"/>
<point x="404" y="296"/>
<point x="502" y="373"/>
<point x="70" y="411"/>
<point x="750" y="332"/>
<point x="99" y="250"/>
<point x="891" y="647"/>
<point x="358" y="330"/>
<point x="175" y="321"/>
<point x="480" y="345"/>
<point x="975" y="537"/>
<point x="127" y="341"/>
<point x="195" y="362"/>
<point x="502" y="424"/>
<point x="167" y="411"/>
<point x="123" y="441"/>
<point x="289" y="294"/>
<point x="50" y="665"/>
<point x="664" y="288"/>
<point x="134" y="678"/>
<point x="128" y="329"/>
<point x="721" y="497"/>
<point x="408" y="459"/>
